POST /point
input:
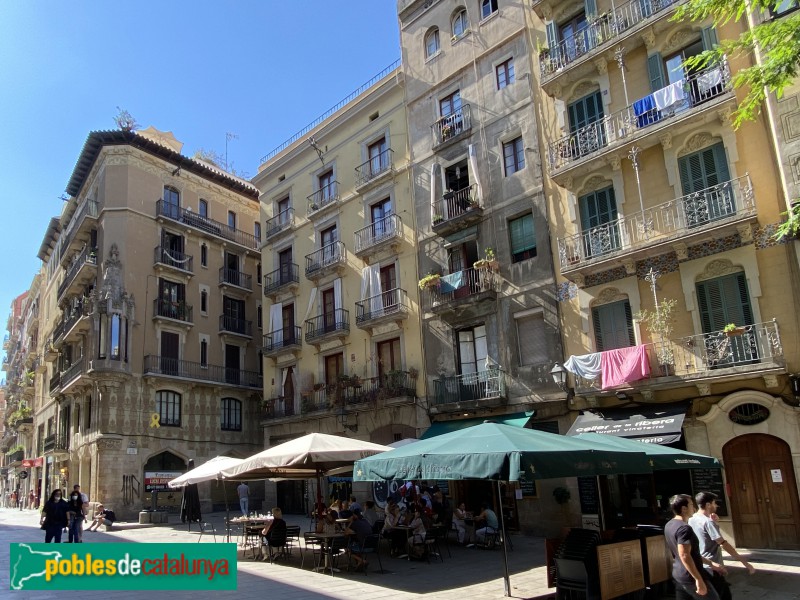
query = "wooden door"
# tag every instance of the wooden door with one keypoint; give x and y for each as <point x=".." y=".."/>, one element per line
<point x="328" y="311"/>
<point x="764" y="502"/>
<point x="170" y="349"/>
<point x="232" y="363"/>
<point x="287" y="314"/>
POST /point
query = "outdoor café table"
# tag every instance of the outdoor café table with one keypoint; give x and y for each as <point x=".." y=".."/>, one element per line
<point x="327" y="541"/>
<point x="409" y="533"/>
<point x="251" y="526"/>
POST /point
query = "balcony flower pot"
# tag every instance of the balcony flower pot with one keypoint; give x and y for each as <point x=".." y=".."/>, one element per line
<point x="430" y="281"/>
<point x="732" y="330"/>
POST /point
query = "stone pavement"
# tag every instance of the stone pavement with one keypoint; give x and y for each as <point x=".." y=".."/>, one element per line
<point x="469" y="573"/>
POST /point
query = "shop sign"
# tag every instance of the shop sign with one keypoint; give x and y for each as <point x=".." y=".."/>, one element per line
<point x="156" y="481"/>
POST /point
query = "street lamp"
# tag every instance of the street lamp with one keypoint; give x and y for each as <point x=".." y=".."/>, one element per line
<point x="559" y="375"/>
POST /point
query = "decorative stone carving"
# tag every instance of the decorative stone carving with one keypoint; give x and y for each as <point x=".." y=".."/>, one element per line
<point x="681" y="250"/>
<point x="771" y="380"/>
<point x="580" y="280"/>
<point x="441" y="368"/>
<point x="704" y="389"/>
<point x="568" y="182"/>
<point x="630" y="267"/>
<point x="718" y="268"/>
<point x="584" y="88"/>
<point x="649" y="38"/>
<point x="647" y="395"/>
<point x="601" y="64"/>
<point x="745" y="232"/>
<point x="595" y="182"/>
<point x="615" y="161"/>
<point x="555" y="90"/>
<point x="724" y="115"/>
<point x="666" y="140"/>
<point x="697" y="141"/>
<point x="677" y="40"/>
<point x="109" y="444"/>
<point x="607" y="296"/>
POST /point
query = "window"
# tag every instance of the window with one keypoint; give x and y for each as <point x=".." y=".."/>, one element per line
<point x="231" y="414"/>
<point x="283" y="207"/>
<point x="378" y="157"/>
<point x="488" y="7"/>
<point x="172" y="299"/>
<point x="599" y="224"/>
<point x="203" y="255"/>
<point x="575" y="37"/>
<point x="505" y="73"/>
<point x="431" y="42"/>
<point x="202" y="208"/>
<point x="460" y="24"/>
<point x="451" y="104"/>
<point x="531" y="338"/>
<point x="613" y="326"/>
<point x="204" y="353"/>
<point x="523" y="238"/>
<point x="172" y="201"/>
<point x="582" y="114"/>
<point x="380" y="213"/>
<point x="784" y="7"/>
<point x="168" y="407"/>
<point x="259" y="318"/>
<point x="389" y="358"/>
<point x="203" y="301"/>
<point x="513" y="156"/>
<point x="703" y="174"/>
<point x="231" y="219"/>
<point x="88" y="418"/>
<point x="257" y="231"/>
<point x="326" y="187"/>
<point x="726" y="300"/>
<point x="472" y="350"/>
<point x="258" y="273"/>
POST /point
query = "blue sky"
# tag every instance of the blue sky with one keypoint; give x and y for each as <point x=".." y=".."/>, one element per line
<point x="259" y="69"/>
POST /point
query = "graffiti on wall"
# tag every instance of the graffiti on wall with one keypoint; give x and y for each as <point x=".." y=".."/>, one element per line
<point x="130" y="487"/>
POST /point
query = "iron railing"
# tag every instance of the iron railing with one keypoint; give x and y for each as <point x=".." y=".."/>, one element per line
<point x="75" y="313"/>
<point x="228" y="323"/>
<point x="56" y="442"/>
<point x="323" y="197"/>
<point x="210" y="226"/>
<point x="16" y="456"/>
<point x="184" y="369"/>
<point x="178" y="310"/>
<point x="481" y="385"/>
<point x="327" y="256"/>
<point x="55" y="382"/>
<point x="462" y="284"/>
<point x="87" y="256"/>
<point x="732" y="199"/>
<point x="72" y="372"/>
<point x="274" y="341"/>
<point x="88" y="208"/>
<point x="237" y="278"/>
<point x="453" y="204"/>
<point x="375" y="166"/>
<point x="278" y="408"/>
<point x="284" y="275"/>
<point x="329" y="322"/>
<point x="392" y="384"/>
<point x="605" y="27"/>
<point x="382" y="230"/>
<point x="173" y="258"/>
<point x="449" y="126"/>
<point x="281" y="222"/>
<point x="390" y="303"/>
<point x="624" y="125"/>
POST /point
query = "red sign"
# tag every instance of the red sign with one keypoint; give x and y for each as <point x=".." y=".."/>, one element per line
<point x="32" y="462"/>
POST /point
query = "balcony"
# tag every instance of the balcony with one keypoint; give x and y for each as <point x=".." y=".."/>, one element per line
<point x="283" y="222"/>
<point x="55" y="384"/>
<point x="80" y="273"/>
<point x="166" y="259"/>
<point x="235" y="279"/>
<point x="456" y="210"/>
<point x="288" y="339"/>
<point x="173" y="310"/>
<point x="207" y="226"/>
<point x="464" y="295"/>
<point x="278" y="408"/>
<point x="482" y="389"/>
<point x="14" y="458"/>
<point x="328" y="326"/>
<point x="326" y="260"/>
<point x="172" y="368"/>
<point x="235" y="326"/>
<point x="285" y="278"/>
<point x="380" y="235"/>
<point x="323" y="199"/>
<point x="697" y="95"/>
<point x="73" y="374"/>
<point x="393" y="387"/>
<point x="77" y="231"/>
<point x="24" y="425"/>
<point x="56" y="444"/>
<point x="75" y="321"/>
<point x="376" y="169"/>
<point x="387" y="307"/>
<point x="453" y="127"/>
<point x="50" y="351"/>
<point x="712" y="213"/>
<point x="573" y="57"/>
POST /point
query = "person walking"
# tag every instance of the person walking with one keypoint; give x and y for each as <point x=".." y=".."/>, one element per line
<point x="712" y="543"/>
<point x="692" y="581"/>
<point x="75" y="517"/>
<point x="54" y="517"/>
<point x="244" y="497"/>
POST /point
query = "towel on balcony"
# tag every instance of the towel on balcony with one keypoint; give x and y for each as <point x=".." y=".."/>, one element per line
<point x="450" y="283"/>
<point x="709" y="80"/>
<point x="586" y="366"/>
<point x="624" y="365"/>
<point x="668" y="96"/>
<point x="645" y="111"/>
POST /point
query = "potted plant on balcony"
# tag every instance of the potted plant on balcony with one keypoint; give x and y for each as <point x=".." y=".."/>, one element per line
<point x="437" y="219"/>
<point x="733" y="330"/>
<point x="430" y="281"/>
<point x="660" y="325"/>
<point x="447" y="132"/>
<point x="488" y="262"/>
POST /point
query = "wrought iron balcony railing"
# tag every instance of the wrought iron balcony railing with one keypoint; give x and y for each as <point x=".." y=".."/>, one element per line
<point x="462" y="285"/>
<point x="325" y="196"/>
<point x="72" y="372"/>
<point x="55" y="443"/>
<point x="229" y="324"/>
<point x="327" y="323"/>
<point x="448" y="127"/>
<point x="237" y="278"/>
<point x="454" y="204"/>
<point x="481" y="385"/>
<point x="625" y="125"/>
<point x="391" y="385"/>
<point x="327" y="256"/>
<point x="183" y="369"/>
<point x="391" y="303"/>
<point x="172" y="258"/>
<point x="169" y="309"/>
<point x="280" y="277"/>
<point x="374" y="167"/>
<point x="88" y="256"/>
<point x="75" y="313"/>
<point x="88" y="208"/>
<point x="55" y="383"/>
<point x="682" y="216"/>
<point x="373" y="235"/>
<point x="607" y="26"/>
<point x="210" y="226"/>
<point x="278" y="407"/>
<point x="283" y="221"/>
<point x="287" y="337"/>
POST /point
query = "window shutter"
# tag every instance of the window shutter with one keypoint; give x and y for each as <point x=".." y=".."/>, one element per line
<point x="613" y="326"/>
<point x="523" y="236"/>
<point x="551" y="29"/>
<point x="709" y="37"/>
<point x="598" y="330"/>
<point x="533" y="342"/>
<point x="710" y="301"/>
<point x="629" y="323"/>
<point x="655" y="71"/>
<point x="721" y="162"/>
<point x="590" y="7"/>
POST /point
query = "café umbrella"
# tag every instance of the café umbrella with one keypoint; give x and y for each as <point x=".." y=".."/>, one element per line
<point x="499" y="453"/>
<point x="661" y="458"/>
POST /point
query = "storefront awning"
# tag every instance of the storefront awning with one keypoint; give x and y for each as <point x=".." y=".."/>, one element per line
<point x="651" y="424"/>
<point x="519" y="419"/>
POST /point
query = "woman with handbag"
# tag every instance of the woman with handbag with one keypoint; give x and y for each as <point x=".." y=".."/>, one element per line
<point x="54" y="517"/>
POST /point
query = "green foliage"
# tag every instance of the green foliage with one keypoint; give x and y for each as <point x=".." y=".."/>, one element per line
<point x="729" y="327"/>
<point x="778" y="42"/>
<point x="17" y="448"/>
<point x="791" y="226"/>
<point x="430" y="280"/>
<point x="660" y="324"/>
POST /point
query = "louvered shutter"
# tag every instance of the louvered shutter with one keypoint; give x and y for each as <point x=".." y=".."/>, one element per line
<point x="655" y="71"/>
<point x="533" y="342"/>
<point x="585" y="111"/>
<point x="709" y="37"/>
<point x="724" y="300"/>
<point x="551" y="29"/>
<point x="590" y="7"/>
<point x="613" y="326"/>
<point x="523" y="236"/>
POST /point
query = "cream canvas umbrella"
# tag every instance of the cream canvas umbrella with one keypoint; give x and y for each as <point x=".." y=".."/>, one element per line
<point x="206" y="472"/>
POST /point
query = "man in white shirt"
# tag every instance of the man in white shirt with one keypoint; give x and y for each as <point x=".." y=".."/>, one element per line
<point x="244" y="497"/>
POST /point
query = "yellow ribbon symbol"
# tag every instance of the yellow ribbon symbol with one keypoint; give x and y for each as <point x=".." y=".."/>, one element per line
<point x="154" y="420"/>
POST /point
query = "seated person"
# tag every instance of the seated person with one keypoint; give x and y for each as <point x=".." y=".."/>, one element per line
<point x="459" y="515"/>
<point x="370" y="514"/>
<point x="417" y="525"/>
<point x="354" y="504"/>
<point x="328" y="523"/>
<point x="274" y="534"/>
<point x="359" y="528"/>
<point x="102" y="517"/>
<point x="488" y="518"/>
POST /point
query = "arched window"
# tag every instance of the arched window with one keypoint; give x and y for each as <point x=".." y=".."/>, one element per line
<point x="168" y="407"/>
<point x="231" y="414"/>
<point x="460" y="23"/>
<point x="431" y="42"/>
<point x="204" y="255"/>
<point x="203" y="353"/>
<point x="488" y="7"/>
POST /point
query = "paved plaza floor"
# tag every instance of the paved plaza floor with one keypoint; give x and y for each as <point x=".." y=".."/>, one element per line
<point x="468" y="573"/>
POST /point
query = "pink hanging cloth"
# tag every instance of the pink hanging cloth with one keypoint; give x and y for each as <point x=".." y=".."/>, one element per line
<point x="624" y="365"/>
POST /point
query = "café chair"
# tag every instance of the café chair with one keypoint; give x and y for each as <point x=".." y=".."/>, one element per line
<point x="206" y="527"/>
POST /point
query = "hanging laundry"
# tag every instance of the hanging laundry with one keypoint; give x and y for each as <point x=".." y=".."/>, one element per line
<point x="586" y="366"/>
<point x="669" y="96"/>
<point x="708" y="81"/>
<point x="450" y="283"/>
<point x="624" y="365"/>
<point x="645" y="111"/>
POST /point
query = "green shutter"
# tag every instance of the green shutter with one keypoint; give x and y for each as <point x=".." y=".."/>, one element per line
<point x="551" y="29"/>
<point x="598" y="330"/>
<point x="597" y="208"/>
<point x="724" y="300"/>
<point x="655" y="71"/>
<point x="590" y="7"/>
<point x="709" y="37"/>
<point x="703" y="169"/>
<point x="585" y="111"/>
<point x="613" y="326"/>
<point x="721" y="162"/>
<point x="523" y="236"/>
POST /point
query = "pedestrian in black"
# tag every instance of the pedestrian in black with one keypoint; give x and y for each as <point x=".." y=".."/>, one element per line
<point x="54" y="517"/>
<point x="75" y="516"/>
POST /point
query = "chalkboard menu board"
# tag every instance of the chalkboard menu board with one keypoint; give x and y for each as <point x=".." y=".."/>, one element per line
<point x="444" y="486"/>
<point x="589" y="496"/>
<point x="528" y="487"/>
<point x="710" y="480"/>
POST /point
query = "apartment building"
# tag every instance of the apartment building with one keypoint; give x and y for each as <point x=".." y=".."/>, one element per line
<point x="490" y="317"/>
<point x="658" y="204"/>
<point x="342" y="340"/>
<point x="148" y="322"/>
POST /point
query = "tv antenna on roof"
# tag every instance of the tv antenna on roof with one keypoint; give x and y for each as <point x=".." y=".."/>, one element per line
<point x="228" y="137"/>
<point x="316" y="147"/>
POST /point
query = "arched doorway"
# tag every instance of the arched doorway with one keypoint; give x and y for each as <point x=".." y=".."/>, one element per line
<point x="158" y="471"/>
<point x="763" y="492"/>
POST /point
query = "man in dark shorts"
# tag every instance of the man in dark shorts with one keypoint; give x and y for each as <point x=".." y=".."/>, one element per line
<point x="691" y="579"/>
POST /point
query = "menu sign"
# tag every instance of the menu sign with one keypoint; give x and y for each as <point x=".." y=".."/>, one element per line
<point x="156" y="481"/>
<point x="588" y="495"/>
<point x="710" y="480"/>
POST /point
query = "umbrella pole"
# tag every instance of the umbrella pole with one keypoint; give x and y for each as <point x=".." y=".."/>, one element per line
<point x="600" y="504"/>
<point x="506" y="578"/>
<point x="319" y="495"/>
<point x="227" y="511"/>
